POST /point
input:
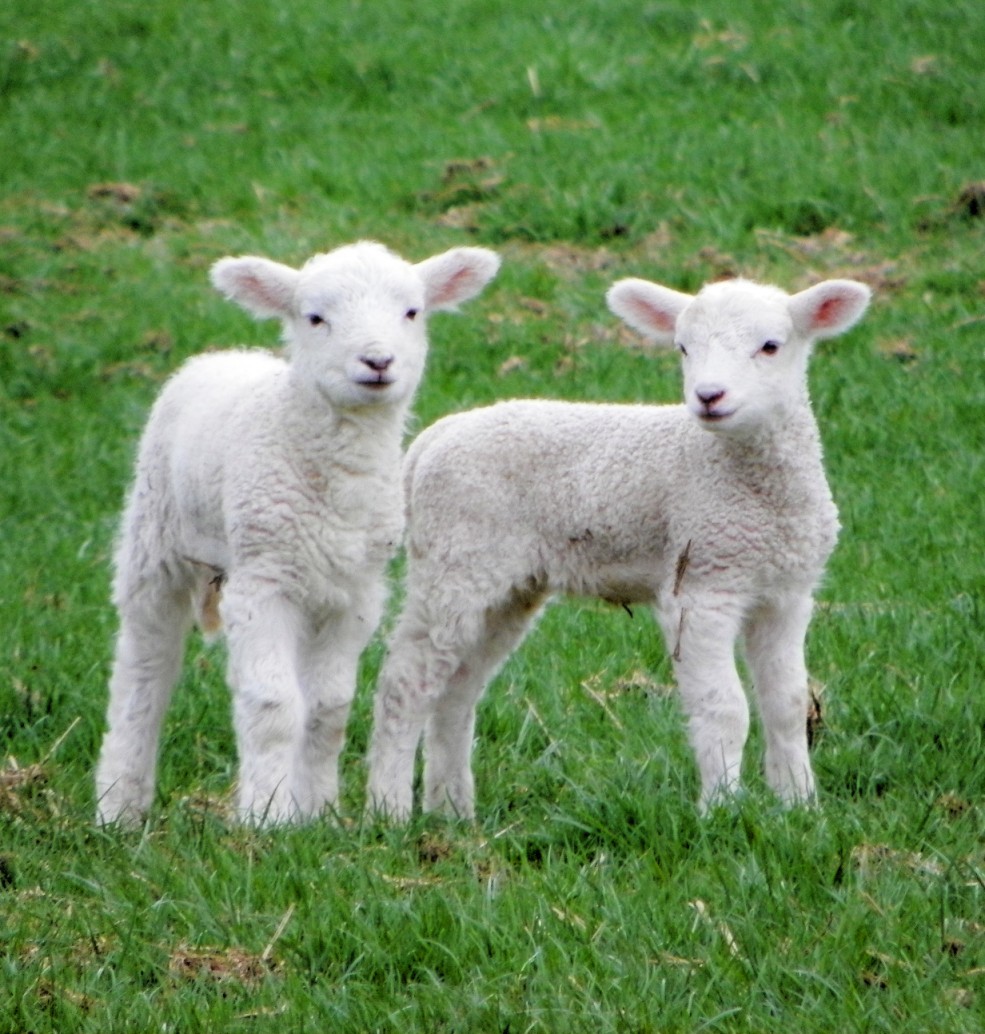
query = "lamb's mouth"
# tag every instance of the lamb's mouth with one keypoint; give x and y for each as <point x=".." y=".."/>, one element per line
<point x="376" y="383"/>
<point x="714" y="416"/>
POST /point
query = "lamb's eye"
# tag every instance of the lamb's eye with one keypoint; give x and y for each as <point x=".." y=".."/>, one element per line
<point x="681" y="348"/>
<point x="315" y="320"/>
<point x="411" y="314"/>
<point x="770" y="348"/>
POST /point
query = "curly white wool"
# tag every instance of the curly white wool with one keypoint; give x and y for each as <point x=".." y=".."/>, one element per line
<point x="276" y="480"/>
<point x="716" y="512"/>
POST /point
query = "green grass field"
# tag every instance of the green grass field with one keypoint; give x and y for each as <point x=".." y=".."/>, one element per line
<point x="585" y="142"/>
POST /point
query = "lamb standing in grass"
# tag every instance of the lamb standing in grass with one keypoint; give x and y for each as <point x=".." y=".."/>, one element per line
<point x="716" y="512"/>
<point x="278" y="481"/>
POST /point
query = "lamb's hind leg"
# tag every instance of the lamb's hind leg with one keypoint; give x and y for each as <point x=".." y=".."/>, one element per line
<point x="154" y="620"/>
<point x="448" y="735"/>
<point x="701" y="634"/>
<point x="420" y="661"/>
<point x="775" y="652"/>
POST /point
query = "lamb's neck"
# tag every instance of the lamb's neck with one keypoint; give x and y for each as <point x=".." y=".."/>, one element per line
<point x="360" y="437"/>
<point x="788" y="448"/>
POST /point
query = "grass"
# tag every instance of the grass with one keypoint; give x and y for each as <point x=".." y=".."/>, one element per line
<point x="786" y="142"/>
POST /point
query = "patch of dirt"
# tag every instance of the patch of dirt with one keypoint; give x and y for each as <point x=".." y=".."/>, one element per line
<point x="465" y="181"/>
<point x="900" y="349"/>
<point x="121" y="193"/>
<point x="18" y="783"/>
<point x="572" y="260"/>
<point x="219" y="964"/>
<point x="970" y="202"/>
<point x="432" y="848"/>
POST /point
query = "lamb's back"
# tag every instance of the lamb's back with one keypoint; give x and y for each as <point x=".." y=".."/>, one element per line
<point x="605" y="499"/>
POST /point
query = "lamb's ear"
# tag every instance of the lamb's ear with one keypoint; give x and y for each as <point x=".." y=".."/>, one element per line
<point x="647" y="307"/>
<point x="829" y="308"/>
<point x="457" y="275"/>
<point x="264" y="288"/>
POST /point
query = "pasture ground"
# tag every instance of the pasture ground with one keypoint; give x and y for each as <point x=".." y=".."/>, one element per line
<point x="786" y="142"/>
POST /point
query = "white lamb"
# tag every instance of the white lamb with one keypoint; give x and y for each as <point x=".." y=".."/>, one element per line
<point x="716" y="512"/>
<point x="277" y="481"/>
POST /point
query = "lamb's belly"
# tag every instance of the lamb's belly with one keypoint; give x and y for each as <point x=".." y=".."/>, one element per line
<point x="618" y="583"/>
<point x="202" y="539"/>
<point x="201" y="525"/>
<point x="206" y="550"/>
<point x="762" y="562"/>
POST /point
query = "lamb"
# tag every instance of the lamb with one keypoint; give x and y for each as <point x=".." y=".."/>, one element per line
<point x="715" y="512"/>
<point x="267" y="499"/>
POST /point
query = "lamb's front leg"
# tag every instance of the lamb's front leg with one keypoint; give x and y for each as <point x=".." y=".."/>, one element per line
<point x="329" y="669"/>
<point x="264" y="631"/>
<point x="775" y="651"/>
<point x="701" y="633"/>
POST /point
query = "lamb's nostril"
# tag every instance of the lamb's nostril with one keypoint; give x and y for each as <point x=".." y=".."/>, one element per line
<point x="377" y="363"/>
<point x="709" y="394"/>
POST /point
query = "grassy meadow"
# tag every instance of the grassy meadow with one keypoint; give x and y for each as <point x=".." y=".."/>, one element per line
<point x="676" y="141"/>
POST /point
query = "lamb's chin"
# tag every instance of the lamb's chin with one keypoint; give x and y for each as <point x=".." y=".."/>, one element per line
<point x="373" y="393"/>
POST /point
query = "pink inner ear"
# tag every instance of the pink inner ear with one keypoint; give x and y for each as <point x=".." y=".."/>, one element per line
<point x="263" y="292"/>
<point x="648" y="315"/>
<point x="828" y="313"/>
<point x="452" y="288"/>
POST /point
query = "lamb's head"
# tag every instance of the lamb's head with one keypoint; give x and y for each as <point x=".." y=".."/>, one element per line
<point x="744" y="346"/>
<point x="355" y="318"/>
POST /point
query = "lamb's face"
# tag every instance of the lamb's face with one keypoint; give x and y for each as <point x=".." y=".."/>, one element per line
<point x="744" y="346"/>
<point x="357" y="329"/>
<point x="354" y="318"/>
<point x="742" y="358"/>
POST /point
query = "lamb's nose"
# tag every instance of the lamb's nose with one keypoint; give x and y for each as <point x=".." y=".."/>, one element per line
<point x="377" y="363"/>
<point x="709" y="394"/>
